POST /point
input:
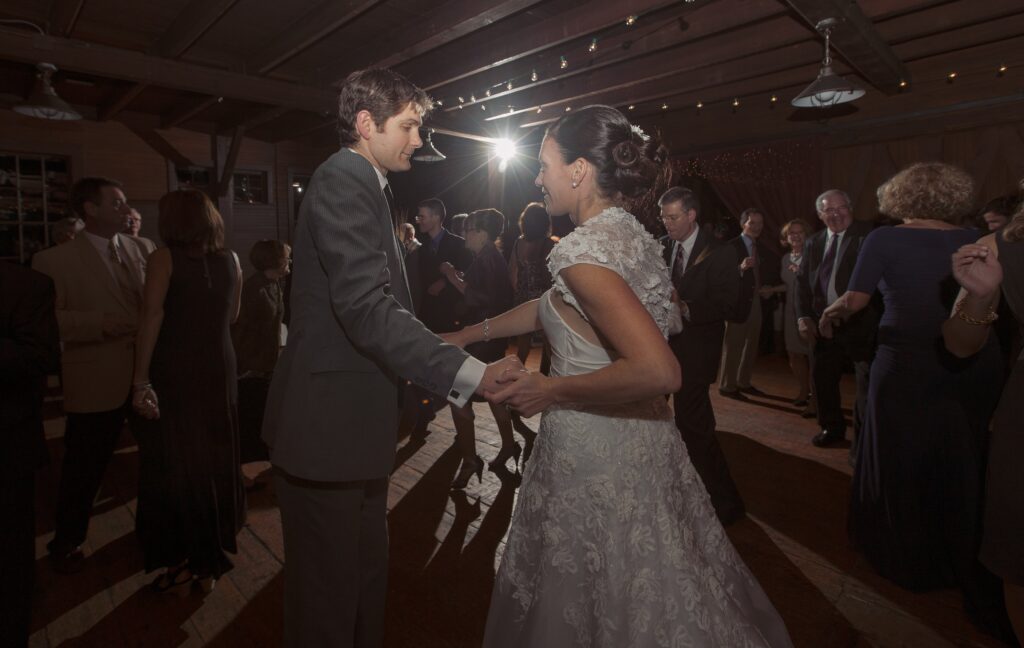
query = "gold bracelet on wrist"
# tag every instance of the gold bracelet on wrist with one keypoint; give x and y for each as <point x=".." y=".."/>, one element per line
<point x="989" y="317"/>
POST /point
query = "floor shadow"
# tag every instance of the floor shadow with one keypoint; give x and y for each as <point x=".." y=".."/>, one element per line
<point x="146" y="618"/>
<point x="259" y="623"/>
<point x="807" y="502"/>
<point x="56" y="593"/>
<point x="811" y="618"/>
<point x="444" y="603"/>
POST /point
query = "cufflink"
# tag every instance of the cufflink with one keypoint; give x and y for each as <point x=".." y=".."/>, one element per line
<point x="454" y="394"/>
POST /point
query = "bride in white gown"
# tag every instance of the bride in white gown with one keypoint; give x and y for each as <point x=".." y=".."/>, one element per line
<point x="613" y="542"/>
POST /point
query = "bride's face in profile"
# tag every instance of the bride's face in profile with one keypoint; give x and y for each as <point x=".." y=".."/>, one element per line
<point x="555" y="179"/>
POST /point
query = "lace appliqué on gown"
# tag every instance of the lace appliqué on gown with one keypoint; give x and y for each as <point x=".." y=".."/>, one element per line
<point x="614" y="239"/>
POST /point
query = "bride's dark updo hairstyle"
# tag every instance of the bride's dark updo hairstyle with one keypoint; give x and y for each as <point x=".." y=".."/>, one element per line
<point x="627" y="164"/>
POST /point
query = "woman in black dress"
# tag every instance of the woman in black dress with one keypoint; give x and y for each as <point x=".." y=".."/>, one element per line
<point x="981" y="269"/>
<point x="486" y="292"/>
<point x="916" y="495"/>
<point x="191" y="502"/>
<point x="528" y="269"/>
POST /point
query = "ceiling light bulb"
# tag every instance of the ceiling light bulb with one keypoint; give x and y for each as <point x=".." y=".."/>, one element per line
<point x="630" y="21"/>
<point x="487" y="92"/>
<point x="534" y="77"/>
<point x="568" y="108"/>
<point x="700" y="104"/>
<point x="664" y="106"/>
<point x="736" y="103"/>
<point x="593" y="46"/>
<point x="631" y="106"/>
<point x="564" y="63"/>
<point x="508" y="85"/>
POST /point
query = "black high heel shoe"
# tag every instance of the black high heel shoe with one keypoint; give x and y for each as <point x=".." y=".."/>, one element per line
<point x="468" y="469"/>
<point x="514" y="451"/>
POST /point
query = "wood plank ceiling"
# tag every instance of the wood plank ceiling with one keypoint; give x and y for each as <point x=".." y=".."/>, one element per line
<point x="707" y="73"/>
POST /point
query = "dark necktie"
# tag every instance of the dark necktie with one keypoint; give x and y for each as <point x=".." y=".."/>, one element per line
<point x="825" y="275"/>
<point x="391" y="205"/>
<point x="679" y="264"/>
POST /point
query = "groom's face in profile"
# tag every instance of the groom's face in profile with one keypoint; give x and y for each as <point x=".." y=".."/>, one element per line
<point x="393" y="144"/>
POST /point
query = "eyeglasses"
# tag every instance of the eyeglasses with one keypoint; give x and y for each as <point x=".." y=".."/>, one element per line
<point x="671" y="219"/>
<point x="832" y="211"/>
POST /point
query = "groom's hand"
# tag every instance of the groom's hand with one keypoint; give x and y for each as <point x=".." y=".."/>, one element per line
<point x="499" y="373"/>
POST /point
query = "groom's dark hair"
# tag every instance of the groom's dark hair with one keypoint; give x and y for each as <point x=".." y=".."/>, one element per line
<point x="381" y="92"/>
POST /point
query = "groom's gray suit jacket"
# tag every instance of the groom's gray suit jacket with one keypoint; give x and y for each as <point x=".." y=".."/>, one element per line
<point x="332" y="408"/>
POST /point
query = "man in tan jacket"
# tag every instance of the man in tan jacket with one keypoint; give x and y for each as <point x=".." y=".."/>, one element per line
<point x="98" y="277"/>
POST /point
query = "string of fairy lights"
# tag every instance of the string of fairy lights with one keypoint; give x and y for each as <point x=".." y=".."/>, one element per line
<point x="564" y="62"/>
<point x="568" y="59"/>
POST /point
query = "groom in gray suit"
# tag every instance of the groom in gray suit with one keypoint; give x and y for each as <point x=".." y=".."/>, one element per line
<point x="331" y="417"/>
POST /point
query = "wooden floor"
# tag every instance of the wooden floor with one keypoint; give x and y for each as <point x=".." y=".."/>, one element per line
<point x="444" y="547"/>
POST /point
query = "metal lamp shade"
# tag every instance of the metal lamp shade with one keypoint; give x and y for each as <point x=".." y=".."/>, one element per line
<point x="43" y="101"/>
<point x="427" y="152"/>
<point x="828" y="90"/>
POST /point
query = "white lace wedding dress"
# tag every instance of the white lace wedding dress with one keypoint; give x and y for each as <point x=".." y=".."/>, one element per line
<point x="614" y="542"/>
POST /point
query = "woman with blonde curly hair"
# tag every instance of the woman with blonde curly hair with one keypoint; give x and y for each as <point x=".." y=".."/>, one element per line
<point x="916" y="496"/>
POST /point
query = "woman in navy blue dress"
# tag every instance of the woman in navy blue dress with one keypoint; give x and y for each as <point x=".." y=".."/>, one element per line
<point x="916" y="496"/>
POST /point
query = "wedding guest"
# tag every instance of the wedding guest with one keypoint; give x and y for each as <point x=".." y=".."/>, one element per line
<point x="794" y="234"/>
<point x="29" y="351"/>
<point x="65" y="230"/>
<point x="998" y="211"/>
<point x="703" y="274"/>
<point x="256" y="337"/>
<point x="486" y="292"/>
<point x="134" y="224"/>
<point x="828" y="260"/>
<point x="528" y="270"/>
<point x="457" y="225"/>
<point x="191" y="503"/>
<point x="997" y="261"/>
<point x="98" y="277"/>
<point x="758" y="270"/>
<point x="915" y="500"/>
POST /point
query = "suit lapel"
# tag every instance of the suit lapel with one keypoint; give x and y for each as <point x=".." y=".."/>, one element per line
<point x="96" y="267"/>
<point x="701" y="250"/>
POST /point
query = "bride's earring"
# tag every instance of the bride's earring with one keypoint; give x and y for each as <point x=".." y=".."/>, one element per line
<point x="575" y="184"/>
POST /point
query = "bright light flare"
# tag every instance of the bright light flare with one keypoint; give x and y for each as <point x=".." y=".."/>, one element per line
<point x="505" y="149"/>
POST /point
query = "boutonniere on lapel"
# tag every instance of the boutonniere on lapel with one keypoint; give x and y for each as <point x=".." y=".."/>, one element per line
<point x="703" y="255"/>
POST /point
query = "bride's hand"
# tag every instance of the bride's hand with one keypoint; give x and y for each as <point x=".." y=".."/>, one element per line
<point x="527" y="393"/>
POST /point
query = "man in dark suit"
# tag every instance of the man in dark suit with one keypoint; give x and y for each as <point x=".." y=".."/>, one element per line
<point x="438" y="298"/>
<point x="29" y="351"/>
<point x="331" y="414"/>
<point x="759" y="270"/>
<point x="830" y="256"/>
<point x="705" y="278"/>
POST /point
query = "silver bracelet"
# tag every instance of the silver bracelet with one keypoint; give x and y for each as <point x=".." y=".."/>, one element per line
<point x="487" y="330"/>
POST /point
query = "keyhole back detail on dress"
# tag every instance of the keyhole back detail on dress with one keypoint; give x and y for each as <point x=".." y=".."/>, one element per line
<point x="575" y="322"/>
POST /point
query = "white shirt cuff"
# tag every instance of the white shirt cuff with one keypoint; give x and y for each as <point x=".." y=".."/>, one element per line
<point x="466" y="381"/>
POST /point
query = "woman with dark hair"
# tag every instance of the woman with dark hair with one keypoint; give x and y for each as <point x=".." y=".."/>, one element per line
<point x="191" y="502"/>
<point x="916" y="495"/>
<point x="486" y="292"/>
<point x="528" y="270"/>
<point x="986" y="270"/>
<point x="614" y="541"/>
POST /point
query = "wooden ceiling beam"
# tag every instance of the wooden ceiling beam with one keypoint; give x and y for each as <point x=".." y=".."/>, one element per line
<point x="857" y="39"/>
<point x="64" y="16"/>
<point x="119" y="101"/>
<point x="181" y="115"/>
<point x="230" y="160"/>
<point x="250" y="121"/>
<point x="191" y="23"/>
<point x="482" y="51"/>
<point x="161" y="146"/>
<point x="126" y="65"/>
<point x="651" y="54"/>
<point x="452" y="20"/>
<point x="318" y="23"/>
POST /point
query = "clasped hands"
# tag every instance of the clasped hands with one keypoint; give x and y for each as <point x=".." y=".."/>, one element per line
<point x="507" y="382"/>
<point x="144" y="401"/>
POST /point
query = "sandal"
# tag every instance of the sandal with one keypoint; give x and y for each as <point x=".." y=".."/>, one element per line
<point x="173" y="578"/>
